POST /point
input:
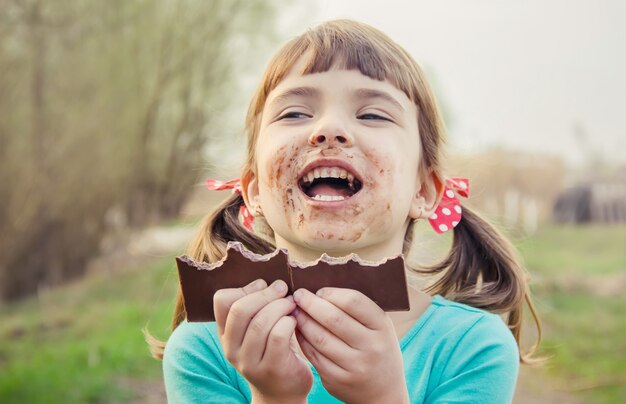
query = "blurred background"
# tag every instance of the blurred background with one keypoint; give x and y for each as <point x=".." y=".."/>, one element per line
<point x="112" y="114"/>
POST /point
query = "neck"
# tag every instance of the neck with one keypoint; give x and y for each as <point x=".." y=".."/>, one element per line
<point x="403" y="321"/>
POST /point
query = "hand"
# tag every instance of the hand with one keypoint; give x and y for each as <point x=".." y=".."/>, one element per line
<point x="257" y="334"/>
<point x="352" y="344"/>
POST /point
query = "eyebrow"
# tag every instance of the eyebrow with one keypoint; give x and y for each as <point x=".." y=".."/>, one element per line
<point x="307" y="92"/>
<point x="311" y="92"/>
<point x="371" y="93"/>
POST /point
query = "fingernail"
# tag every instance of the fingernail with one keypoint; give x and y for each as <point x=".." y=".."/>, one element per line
<point x="258" y="284"/>
<point x="279" y="286"/>
<point x="297" y="296"/>
<point x="320" y="293"/>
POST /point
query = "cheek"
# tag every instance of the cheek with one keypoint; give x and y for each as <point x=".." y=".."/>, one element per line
<point x="392" y="183"/>
<point x="380" y="201"/>
<point x="278" y="183"/>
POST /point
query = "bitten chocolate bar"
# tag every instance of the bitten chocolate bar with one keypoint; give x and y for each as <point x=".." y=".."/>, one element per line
<point x="383" y="282"/>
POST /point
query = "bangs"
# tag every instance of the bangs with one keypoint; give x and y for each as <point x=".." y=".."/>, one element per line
<point x="351" y="46"/>
<point x="349" y="56"/>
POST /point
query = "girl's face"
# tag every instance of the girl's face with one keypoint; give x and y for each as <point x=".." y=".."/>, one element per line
<point x="338" y="156"/>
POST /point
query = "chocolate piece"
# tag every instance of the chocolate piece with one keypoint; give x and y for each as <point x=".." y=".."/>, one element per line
<point x="383" y="282"/>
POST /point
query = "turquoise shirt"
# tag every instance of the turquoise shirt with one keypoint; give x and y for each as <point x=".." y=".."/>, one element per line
<point x="453" y="354"/>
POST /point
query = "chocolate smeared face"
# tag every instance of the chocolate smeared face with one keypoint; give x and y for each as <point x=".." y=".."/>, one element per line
<point x="338" y="156"/>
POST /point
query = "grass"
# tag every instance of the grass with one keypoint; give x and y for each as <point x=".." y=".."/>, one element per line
<point x="589" y="250"/>
<point x="585" y="341"/>
<point x="584" y="327"/>
<point x="82" y="343"/>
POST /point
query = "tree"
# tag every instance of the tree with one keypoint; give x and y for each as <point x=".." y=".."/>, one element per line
<point x="106" y="105"/>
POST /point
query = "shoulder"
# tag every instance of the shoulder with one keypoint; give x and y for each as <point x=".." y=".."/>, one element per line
<point x="474" y="354"/>
<point x="189" y="338"/>
<point x="191" y="348"/>
<point x="194" y="366"/>
<point x="474" y="330"/>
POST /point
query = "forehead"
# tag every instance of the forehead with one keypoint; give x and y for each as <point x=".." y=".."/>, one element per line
<point x="297" y="82"/>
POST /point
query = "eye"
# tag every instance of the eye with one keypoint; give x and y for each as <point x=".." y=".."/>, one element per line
<point x="293" y="115"/>
<point x="373" y="117"/>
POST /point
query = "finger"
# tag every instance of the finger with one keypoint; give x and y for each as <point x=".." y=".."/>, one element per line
<point x="243" y="310"/>
<point x="223" y="299"/>
<point x="324" y="341"/>
<point x="256" y="337"/>
<point x="294" y="346"/>
<point x="324" y="366"/>
<point x="330" y="316"/>
<point x="279" y="340"/>
<point x="357" y="305"/>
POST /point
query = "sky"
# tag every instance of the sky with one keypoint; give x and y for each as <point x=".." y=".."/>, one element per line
<point x="541" y="76"/>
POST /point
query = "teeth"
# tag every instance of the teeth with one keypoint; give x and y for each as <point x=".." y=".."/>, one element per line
<point x="328" y="198"/>
<point x="328" y="172"/>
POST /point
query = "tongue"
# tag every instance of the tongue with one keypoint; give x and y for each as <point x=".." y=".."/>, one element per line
<point x="330" y="189"/>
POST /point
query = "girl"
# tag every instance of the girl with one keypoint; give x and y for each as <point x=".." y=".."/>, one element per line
<point x="344" y="141"/>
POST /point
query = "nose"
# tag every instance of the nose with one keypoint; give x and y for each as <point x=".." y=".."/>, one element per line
<point x="330" y="136"/>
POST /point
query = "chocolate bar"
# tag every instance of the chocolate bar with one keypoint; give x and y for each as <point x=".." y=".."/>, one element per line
<point x="383" y="282"/>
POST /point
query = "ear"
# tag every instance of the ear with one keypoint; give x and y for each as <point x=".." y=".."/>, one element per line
<point x="428" y="195"/>
<point x="250" y="192"/>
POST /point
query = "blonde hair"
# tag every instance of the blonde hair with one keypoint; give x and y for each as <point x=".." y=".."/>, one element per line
<point x="481" y="270"/>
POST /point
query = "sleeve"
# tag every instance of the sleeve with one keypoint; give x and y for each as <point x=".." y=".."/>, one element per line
<point x="195" y="370"/>
<point x="482" y="367"/>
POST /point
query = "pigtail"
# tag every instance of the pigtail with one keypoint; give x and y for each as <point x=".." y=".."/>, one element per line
<point x="209" y="245"/>
<point x="222" y="226"/>
<point x="482" y="270"/>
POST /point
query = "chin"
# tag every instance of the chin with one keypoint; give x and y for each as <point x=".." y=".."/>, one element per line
<point x="337" y="242"/>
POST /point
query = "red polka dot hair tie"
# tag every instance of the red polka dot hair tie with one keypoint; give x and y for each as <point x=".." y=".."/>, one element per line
<point x="215" y="185"/>
<point x="245" y="218"/>
<point x="448" y="212"/>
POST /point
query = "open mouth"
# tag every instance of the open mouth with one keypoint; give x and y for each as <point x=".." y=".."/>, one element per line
<point x="329" y="184"/>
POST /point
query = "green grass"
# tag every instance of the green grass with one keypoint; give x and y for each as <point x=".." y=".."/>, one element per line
<point x="588" y="250"/>
<point x="584" y="329"/>
<point x="584" y="339"/>
<point x="83" y="343"/>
